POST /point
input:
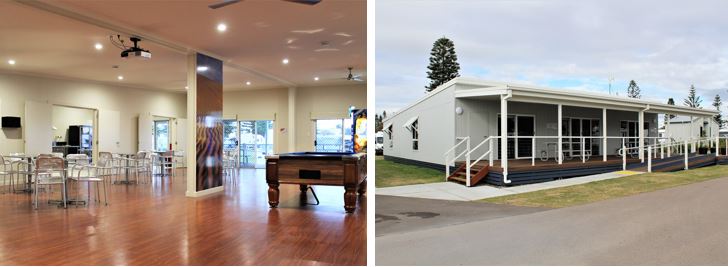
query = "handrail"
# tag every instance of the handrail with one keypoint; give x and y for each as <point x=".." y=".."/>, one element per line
<point x="465" y="139"/>
<point x="484" y="154"/>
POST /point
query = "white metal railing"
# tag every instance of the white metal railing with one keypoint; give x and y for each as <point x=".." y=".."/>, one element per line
<point x="449" y="161"/>
<point x="654" y="147"/>
<point x="684" y="147"/>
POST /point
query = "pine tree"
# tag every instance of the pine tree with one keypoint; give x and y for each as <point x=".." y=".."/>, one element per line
<point x="718" y="118"/>
<point x="693" y="100"/>
<point x="378" y="122"/>
<point x="670" y="101"/>
<point x="443" y="63"/>
<point x="633" y="90"/>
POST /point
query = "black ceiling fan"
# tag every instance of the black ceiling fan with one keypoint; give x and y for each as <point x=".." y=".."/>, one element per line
<point x="352" y="77"/>
<point x="230" y="2"/>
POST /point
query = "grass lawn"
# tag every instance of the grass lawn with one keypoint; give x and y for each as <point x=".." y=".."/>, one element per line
<point x="388" y="173"/>
<point x="613" y="188"/>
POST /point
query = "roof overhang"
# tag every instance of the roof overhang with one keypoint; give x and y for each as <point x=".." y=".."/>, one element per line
<point x="535" y="94"/>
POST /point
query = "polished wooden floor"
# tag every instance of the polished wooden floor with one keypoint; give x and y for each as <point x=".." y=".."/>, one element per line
<point x="155" y="224"/>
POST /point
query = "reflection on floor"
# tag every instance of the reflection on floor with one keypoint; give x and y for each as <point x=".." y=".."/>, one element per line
<point x="155" y="224"/>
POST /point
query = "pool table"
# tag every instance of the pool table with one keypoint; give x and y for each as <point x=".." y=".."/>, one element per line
<point x="318" y="168"/>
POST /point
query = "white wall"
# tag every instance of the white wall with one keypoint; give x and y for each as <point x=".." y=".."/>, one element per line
<point x="436" y="119"/>
<point x="324" y="103"/>
<point x="682" y="131"/>
<point x="272" y="104"/>
<point x="66" y="116"/>
<point x="130" y="102"/>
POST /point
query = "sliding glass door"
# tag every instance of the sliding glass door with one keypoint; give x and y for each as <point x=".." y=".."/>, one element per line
<point x="519" y="126"/>
<point x="334" y="135"/>
<point x="161" y="135"/>
<point x="256" y="141"/>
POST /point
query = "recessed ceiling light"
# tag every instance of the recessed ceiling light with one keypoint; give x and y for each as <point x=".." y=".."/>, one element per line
<point x="120" y="77"/>
<point x="187" y="88"/>
<point x="11" y="62"/>
<point x="285" y="61"/>
<point x="316" y="78"/>
<point x="98" y="46"/>
<point x="247" y="83"/>
<point x="202" y="68"/>
<point x="221" y="27"/>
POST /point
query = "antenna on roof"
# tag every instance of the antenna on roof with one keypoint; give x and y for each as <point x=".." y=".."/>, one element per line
<point x="611" y="79"/>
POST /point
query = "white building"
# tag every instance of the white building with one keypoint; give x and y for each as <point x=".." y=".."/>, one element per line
<point x="465" y="117"/>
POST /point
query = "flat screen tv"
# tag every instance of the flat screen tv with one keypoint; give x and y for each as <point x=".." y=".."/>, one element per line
<point x="10" y="122"/>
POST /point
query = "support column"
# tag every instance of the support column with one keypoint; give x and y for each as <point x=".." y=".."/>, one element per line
<point x="291" y="119"/>
<point x="504" y="136"/>
<point x="690" y="137"/>
<point x="641" y="132"/>
<point x="604" y="134"/>
<point x="559" y="148"/>
<point x="205" y="127"/>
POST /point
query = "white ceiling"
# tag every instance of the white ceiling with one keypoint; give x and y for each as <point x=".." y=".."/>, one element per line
<point x="56" y="38"/>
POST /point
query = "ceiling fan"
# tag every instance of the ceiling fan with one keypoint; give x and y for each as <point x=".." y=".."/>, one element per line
<point x="352" y="77"/>
<point x="230" y="2"/>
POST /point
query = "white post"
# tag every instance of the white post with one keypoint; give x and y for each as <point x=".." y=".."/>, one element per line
<point x="641" y="132"/>
<point x="686" y="154"/>
<point x="533" y="151"/>
<point x="649" y="159"/>
<point x="559" y="146"/>
<point x="604" y="134"/>
<point x="624" y="157"/>
<point x="490" y="155"/>
<point x="662" y="150"/>
<point x="583" y="158"/>
<point x="447" y="166"/>
<point x="504" y="136"/>
<point x="467" y="163"/>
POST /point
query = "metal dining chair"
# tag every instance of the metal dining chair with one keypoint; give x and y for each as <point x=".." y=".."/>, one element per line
<point x="81" y="170"/>
<point x="49" y="171"/>
<point x="6" y="172"/>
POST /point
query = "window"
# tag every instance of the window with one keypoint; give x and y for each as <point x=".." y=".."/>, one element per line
<point x="334" y="135"/>
<point x="415" y="135"/>
<point x="390" y="133"/>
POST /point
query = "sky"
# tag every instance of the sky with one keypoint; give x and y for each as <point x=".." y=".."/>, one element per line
<point x="664" y="46"/>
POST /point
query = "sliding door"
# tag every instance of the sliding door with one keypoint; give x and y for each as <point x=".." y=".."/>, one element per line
<point x="145" y="133"/>
<point x="108" y="131"/>
<point x="38" y="128"/>
<point x="256" y="142"/>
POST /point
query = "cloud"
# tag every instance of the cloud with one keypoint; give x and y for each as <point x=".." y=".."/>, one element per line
<point x="665" y="46"/>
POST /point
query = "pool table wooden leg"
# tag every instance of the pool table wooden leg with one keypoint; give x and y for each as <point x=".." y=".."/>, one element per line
<point x="350" y="199"/>
<point x="273" y="193"/>
<point x="362" y="187"/>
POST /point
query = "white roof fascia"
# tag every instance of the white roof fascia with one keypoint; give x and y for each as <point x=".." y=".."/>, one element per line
<point x="486" y="91"/>
<point x="457" y="80"/>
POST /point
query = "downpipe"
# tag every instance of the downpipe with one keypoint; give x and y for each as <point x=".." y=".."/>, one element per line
<point x="505" y="140"/>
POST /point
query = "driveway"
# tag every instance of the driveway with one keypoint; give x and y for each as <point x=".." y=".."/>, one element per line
<point x="686" y="225"/>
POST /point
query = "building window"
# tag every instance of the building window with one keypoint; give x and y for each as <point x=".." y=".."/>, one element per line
<point x="390" y="134"/>
<point x="415" y="135"/>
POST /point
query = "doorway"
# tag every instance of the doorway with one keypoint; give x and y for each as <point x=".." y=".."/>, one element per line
<point x="161" y="135"/>
<point x="256" y="142"/>
<point x="519" y="126"/>
<point x="73" y="130"/>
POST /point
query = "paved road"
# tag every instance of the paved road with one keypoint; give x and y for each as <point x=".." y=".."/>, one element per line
<point x="404" y="214"/>
<point x="686" y="225"/>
